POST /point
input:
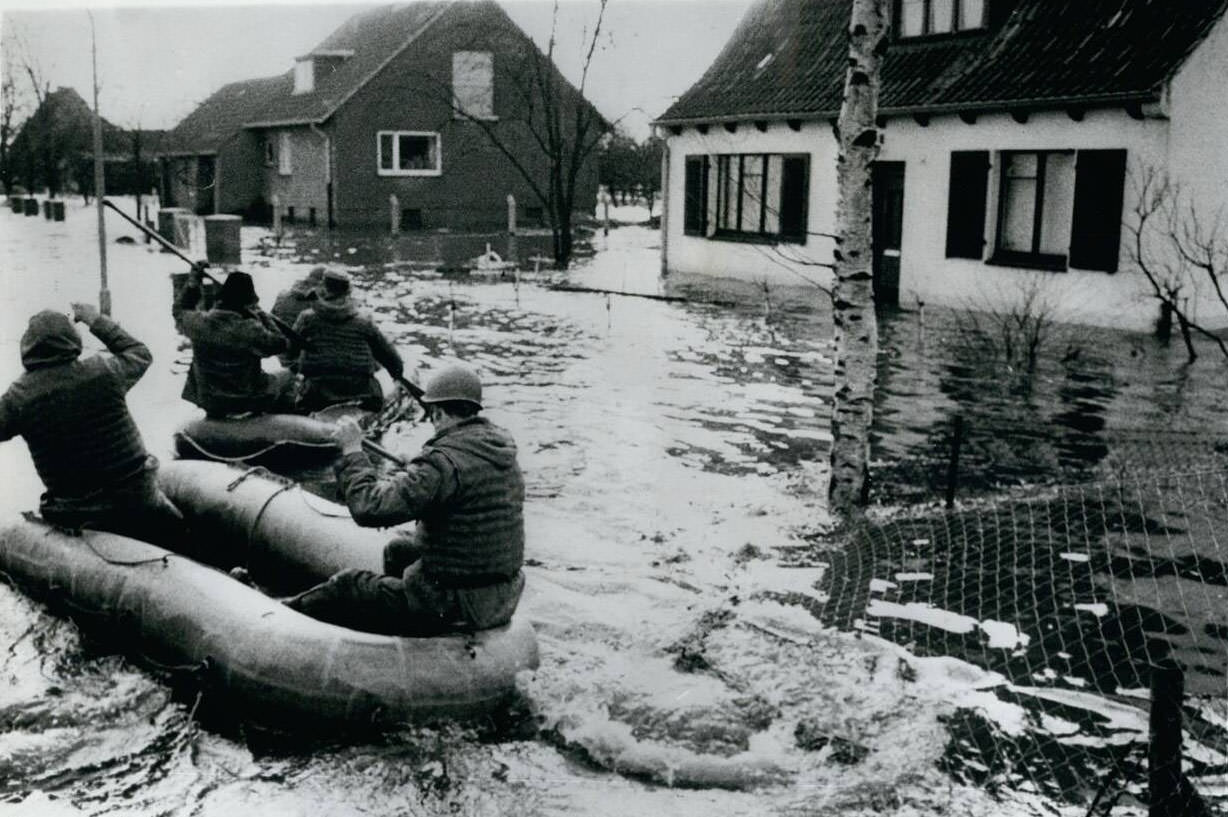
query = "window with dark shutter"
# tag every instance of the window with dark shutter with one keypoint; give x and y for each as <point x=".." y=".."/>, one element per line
<point x="966" y="204"/>
<point x="695" y="194"/>
<point x="794" y="188"/>
<point x="1095" y="235"/>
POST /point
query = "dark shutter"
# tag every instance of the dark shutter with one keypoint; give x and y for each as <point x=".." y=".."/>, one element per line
<point x="966" y="203"/>
<point x="1095" y="228"/>
<point x="794" y="191"/>
<point x="695" y="196"/>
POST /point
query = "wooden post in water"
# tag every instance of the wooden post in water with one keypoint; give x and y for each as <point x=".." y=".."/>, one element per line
<point x="957" y="439"/>
<point x="1164" y="751"/>
<point x="513" y="254"/>
<point x="104" y="293"/>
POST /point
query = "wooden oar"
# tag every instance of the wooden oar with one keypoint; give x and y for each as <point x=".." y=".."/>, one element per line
<point x="379" y="450"/>
<point x="200" y="266"/>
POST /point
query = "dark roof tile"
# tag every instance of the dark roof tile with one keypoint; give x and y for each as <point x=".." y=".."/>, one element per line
<point x="1043" y="51"/>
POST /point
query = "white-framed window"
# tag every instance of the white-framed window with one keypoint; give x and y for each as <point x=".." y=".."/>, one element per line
<point x="921" y="18"/>
<point x="1056" y="209"/>
<point x="407" y="153"/>
<point x="284" y="167"/>
<point x="304" y="76"/>
<point x="473" y="84"/>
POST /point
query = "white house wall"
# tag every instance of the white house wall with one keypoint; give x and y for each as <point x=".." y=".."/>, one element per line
<point x="755" y="262"/>
<point x="1119" y="299"/>
<point x="927" y="274"/>
<point x="1198" y="102"/>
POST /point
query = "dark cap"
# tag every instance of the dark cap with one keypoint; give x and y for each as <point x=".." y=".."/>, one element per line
<point x="238" y="292"/>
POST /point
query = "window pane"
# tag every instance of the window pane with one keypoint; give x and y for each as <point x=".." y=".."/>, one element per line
<point x="752" y="193"/>
<point x="794" y="184"/>
<point x="1021" y="165"/>
<point x="1058" y="203"/>
<point x="416" y="152"/>
<point x="694" y="195"/>
<point x="1018" y="202"/>
<point x="385" y="151"/>
<point x="729" y="192"/>
<point x="771" y="218"/>
<point x="942" y="16"/>
<point x="971" y="14"/>
<point x="912" y="18"/>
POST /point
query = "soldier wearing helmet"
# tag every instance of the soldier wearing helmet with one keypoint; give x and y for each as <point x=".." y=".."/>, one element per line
<point x="461" y="570"/>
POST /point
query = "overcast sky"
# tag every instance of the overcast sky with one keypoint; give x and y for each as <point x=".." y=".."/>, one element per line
<point x="158" y="60"/>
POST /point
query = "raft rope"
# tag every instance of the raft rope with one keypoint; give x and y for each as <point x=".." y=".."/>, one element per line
<point x="79" y="533"/>
<point x="245" y="458"/>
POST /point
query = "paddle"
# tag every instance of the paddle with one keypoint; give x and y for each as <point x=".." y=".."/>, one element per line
<point x="199" y="266"/>
<point x="379" y="450"/>
<point x="414" y="389"/>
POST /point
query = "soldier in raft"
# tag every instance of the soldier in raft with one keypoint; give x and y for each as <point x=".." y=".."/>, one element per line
<point x="73" y="415"/>
<point x="341" y="350"/>
<point x="293" y="302"/>
<point x="461" y="572"/>
<point x="228" y="343"/>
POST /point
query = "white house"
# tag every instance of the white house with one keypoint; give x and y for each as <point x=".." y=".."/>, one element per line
<point x="1015" y="133"/>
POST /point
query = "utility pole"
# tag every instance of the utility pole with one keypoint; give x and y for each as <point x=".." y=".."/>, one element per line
<point x="104" y="294"/>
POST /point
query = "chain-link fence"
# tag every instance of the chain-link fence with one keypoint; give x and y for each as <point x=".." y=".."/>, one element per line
<point x="1094" y="600"/>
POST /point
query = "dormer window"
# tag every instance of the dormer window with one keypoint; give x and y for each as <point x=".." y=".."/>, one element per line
<point x="923" y="18"/>
<point x="304" y="76"/>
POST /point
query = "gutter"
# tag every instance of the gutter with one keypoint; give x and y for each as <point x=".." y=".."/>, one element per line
<point x="990" y="106"/>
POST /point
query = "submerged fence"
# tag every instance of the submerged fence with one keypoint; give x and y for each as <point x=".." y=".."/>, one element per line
<point x="1103" y="604"/>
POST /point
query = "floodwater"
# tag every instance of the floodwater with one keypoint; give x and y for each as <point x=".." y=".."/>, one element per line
<point x="674" y="457"/>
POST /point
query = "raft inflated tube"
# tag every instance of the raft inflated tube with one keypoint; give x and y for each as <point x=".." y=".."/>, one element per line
<point x="274" y="440"/>
<point x="274" y="519"/>
<point x="279" y="665"/>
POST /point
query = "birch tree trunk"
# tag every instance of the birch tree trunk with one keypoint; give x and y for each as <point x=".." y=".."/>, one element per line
<point x="856" y="327"/>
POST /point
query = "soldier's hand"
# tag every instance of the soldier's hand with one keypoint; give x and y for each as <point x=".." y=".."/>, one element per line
<point x="85" y="313"/>
<point x="348" y="435"/>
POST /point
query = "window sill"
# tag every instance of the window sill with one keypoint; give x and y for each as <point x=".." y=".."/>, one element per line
<point x="1027" y="260"/>
<point x="937" y="37"/>
<point x="409" y="172"/>
<point x="464" y="117"/>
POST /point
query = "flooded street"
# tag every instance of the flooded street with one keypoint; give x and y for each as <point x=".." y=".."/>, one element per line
<point x="674" y="454"/>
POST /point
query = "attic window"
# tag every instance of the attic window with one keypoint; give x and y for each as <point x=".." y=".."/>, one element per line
<point x="304" y="76"/>
<point x="473" y="84"/>
<point x="763" y="63"/>
<point x="923" y="18"/>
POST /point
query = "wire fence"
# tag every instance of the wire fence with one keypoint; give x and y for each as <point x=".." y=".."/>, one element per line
<point x="1087" y="595"/>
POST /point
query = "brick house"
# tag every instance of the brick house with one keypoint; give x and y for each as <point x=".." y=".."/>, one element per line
<point x="395" y="101"/>
<point x="1015" y="133"/>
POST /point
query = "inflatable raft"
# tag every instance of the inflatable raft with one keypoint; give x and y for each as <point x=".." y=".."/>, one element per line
<point x="253" y="518"/>
<point x="274" y="665"/>
<point x="281" y="442"/>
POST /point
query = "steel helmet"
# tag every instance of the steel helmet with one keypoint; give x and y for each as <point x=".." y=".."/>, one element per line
<point x="455" y="382"/>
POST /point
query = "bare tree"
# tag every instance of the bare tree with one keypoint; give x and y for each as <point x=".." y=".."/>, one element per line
<point x="856" y="326"/>
<point x="11" y="109"/>
<point x="563" y="127"/>
<point x="1179" y="252"/>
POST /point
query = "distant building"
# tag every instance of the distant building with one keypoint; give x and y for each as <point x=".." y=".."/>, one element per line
<point x="1014" y="134"/>
<point x="375" y="110"/>
<point x="54" y="150"/>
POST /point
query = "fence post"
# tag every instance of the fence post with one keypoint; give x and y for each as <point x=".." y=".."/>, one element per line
<point x="957" y="439"/>
<point x="276" y="204"/>
<point x="1164" y="751"/>
<point x="394" y="214"/>
<point x="512" y="254"/>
